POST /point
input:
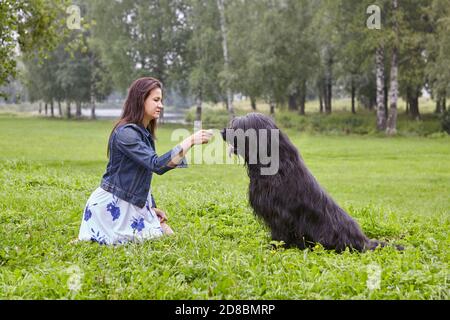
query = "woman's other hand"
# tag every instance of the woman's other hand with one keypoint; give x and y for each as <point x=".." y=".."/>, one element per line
<point x="161" y="215"/>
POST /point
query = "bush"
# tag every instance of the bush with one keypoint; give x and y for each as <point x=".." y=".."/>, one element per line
<point x="337" y="123"/>
<point x="446" y="121"/>
<point x="210" y="118"/>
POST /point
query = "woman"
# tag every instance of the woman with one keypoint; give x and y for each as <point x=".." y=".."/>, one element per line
<point x="122" y="209"/>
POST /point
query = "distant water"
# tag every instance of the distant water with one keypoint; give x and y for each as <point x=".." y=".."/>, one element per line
<point x="173" y="116"/>
<point x="169" y="117"/>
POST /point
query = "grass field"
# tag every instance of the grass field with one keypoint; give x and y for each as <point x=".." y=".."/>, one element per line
<point x="396" y="188"/>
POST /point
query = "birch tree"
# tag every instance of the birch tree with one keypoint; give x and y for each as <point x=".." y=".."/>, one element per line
<point x="393" y="88"/>
<point x="226" y="59"/>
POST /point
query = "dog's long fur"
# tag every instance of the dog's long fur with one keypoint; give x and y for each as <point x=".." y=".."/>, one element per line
<point x="292" y="203"/>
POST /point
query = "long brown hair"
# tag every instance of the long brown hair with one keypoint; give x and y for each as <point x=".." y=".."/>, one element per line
<point x="133" y="108"/>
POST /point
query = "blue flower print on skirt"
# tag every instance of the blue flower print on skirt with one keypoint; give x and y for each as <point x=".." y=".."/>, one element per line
<point x="110" y="220"/>
<point x="113" y="208"/>
<point x="88" y="212"/>
<point x="96" y="237"/>
<point x="138" y="225"/>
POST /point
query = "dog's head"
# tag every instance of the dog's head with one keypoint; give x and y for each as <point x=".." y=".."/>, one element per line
<point x="250" y="135"/>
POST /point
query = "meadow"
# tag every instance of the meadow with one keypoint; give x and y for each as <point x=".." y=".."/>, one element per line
<point x="396" y="188"/>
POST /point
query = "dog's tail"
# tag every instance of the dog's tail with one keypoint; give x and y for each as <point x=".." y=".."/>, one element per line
<point x="373" y="244"/>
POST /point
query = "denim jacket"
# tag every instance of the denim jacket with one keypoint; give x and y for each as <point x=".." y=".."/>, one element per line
<point x="132" y="161"/>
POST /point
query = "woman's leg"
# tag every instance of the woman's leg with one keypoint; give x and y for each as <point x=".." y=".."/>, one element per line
<point x="166" y="228"/>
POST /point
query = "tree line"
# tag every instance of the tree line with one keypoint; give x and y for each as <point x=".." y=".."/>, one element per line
<point x="282" y="52"/>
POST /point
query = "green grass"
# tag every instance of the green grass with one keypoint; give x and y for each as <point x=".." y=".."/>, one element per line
<point x="396" y="188"/>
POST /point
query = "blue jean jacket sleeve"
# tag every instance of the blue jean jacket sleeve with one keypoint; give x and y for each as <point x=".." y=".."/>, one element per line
<point x="131" y="144"/>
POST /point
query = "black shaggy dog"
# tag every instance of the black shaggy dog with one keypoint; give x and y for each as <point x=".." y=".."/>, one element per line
<point x="290" y="201"/>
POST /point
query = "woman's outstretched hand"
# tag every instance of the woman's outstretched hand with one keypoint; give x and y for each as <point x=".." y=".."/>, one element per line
<point x="202" y="136"/>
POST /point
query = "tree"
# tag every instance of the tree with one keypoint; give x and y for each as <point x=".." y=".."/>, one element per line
<point x="413" y="27"/>
<point x="379" y="63"/>
<point x="271" y="61"/>
<point x="72" y="72"/>
<point x="296" y="24"/>
<point x="385" y="40"/>
<point x="245" y="71"/>
<point x="437" y="57"/>
<point x="326" y="22"/>
<point x="226" y="59"/>
<point x="204" y="55"/>
<point x="28" y="25"/>
<point x="138" y="38"/>
<point x="41" y="78"/>
<point x="391" y="128"/>
<point x="352" y="57"/>
<point x="269" y="52"/>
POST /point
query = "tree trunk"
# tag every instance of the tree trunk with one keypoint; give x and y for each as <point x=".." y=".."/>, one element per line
<point x="325" y="97"/>
<point x="93" y="117"/>
<point x="379" y="62"/>
<point x="92" y="85"/>
<point x="393" y="92"/>
<point x="198" y="112"/>
<point x="78" y="111"/>
<point x="223" y="29"/>
<point x="414" y="105"/>
<point x="438" y="105"/>
<point x="60" y="109"/>
<point x="302" y="97"/>
<point x="272" y="107"/>
<point x="386" y="96"/>
<point x="52" y="111"/>
<point x="292" y="102"/>
<point x="441" y="103"/>
<point x="329" y="98"/>
<point x="45" y="108"/>
<point x="253" y="103"/>
<point x="393" y="89"/>
<point x="408" y="98"/>
<point x="320" y="93"/>
<point x="320" y="102"/>
<point x="329" y="85"/>
<point x="353" y="90"/>
<point x="40" y="107"/>
<point x="69" y="115"/>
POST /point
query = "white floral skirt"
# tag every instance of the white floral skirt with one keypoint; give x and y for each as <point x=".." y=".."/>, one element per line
<point x="110" y="220"/>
